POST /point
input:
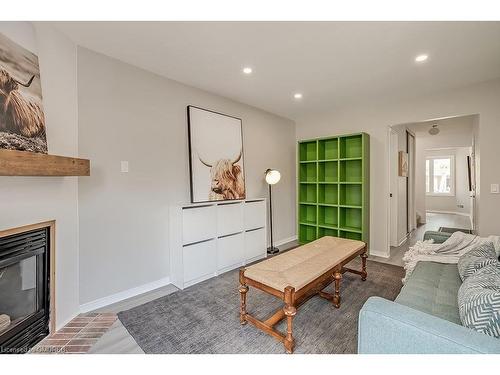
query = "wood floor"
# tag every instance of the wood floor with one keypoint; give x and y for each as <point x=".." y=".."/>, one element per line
<point x="117" y="340"/>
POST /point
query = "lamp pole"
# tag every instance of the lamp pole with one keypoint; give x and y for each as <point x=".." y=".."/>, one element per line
<point x="271" y="249"/>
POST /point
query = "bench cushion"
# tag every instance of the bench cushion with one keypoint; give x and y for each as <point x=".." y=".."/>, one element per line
<point x="300" y="266"/>
<point x="433" y="289"/>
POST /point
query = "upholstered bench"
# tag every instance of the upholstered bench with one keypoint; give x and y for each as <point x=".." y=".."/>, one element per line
<point x="297" y="275"/>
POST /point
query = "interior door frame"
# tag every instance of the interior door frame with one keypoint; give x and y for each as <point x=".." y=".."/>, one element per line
<point x="392" y="195"/>
<point x="410" y="182"/>
<point x="475" y="179"/>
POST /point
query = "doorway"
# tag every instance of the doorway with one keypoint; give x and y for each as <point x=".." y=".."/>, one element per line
<point x="434" y="191"/>
<point x="402" y="184"/>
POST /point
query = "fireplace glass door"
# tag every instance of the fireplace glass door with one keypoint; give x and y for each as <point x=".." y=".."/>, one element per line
<point x="24" y="290"/>
<point x="18" y="292"/>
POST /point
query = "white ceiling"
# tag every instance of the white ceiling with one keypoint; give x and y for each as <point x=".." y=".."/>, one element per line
<point x="453" y="131"/>
<point x="333" y="64"/>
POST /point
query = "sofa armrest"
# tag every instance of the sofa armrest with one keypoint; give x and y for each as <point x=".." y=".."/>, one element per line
<point x="438" y="237"/>
<point x="386" y="327"/>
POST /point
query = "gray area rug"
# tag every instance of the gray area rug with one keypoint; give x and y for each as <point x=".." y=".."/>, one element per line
<point x="205" y="317"/>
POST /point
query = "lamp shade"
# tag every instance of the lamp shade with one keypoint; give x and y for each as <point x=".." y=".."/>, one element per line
<point x="272" y="176"/>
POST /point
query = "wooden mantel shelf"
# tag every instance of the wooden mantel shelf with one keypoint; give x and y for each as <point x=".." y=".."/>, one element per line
<point x="21" y="163"/>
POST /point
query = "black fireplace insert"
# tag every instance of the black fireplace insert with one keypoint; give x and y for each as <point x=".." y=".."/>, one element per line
<point x="24" y="290"/>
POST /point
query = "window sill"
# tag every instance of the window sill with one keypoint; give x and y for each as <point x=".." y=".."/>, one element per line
<point x="440" y="194"/>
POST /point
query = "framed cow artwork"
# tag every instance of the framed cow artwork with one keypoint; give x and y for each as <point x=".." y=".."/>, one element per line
<point x="22" y="119"/>
<point x="215" y="156"/>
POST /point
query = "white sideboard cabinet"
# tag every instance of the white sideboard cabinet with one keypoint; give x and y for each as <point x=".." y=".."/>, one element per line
<point x="207" y="239"/>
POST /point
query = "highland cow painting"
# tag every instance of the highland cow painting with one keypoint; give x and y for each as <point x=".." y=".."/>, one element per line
<point x="22" y="121"/>
<point x="216" y="156"/>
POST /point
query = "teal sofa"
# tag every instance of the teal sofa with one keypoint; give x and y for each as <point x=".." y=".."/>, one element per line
<point x="424" y="317"/>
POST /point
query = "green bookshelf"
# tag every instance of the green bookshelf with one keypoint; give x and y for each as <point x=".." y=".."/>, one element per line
<point x="333" y="187"/>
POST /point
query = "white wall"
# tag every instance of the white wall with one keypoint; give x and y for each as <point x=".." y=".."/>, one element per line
<point x="374" y="118"/>
<point x="126" y="113"/>
<point x="28" y="200"/>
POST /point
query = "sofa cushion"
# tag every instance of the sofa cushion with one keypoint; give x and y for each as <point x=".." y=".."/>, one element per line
<point x="479" y="300"/>
<point x="476" y="259"/>
<point x="432" y="288"/>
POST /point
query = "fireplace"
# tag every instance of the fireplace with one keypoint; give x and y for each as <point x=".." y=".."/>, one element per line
<point x="25" y="286"/>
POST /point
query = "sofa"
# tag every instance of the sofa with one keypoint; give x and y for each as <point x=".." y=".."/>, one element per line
<point x="424" y="317"/>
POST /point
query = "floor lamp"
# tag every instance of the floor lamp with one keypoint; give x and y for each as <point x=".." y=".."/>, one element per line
<point x="272" y="177"/>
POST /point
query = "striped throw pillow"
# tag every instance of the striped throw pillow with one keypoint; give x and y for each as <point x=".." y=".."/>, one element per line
<point x="479" y="301"/>
<point x="476" y="259"/>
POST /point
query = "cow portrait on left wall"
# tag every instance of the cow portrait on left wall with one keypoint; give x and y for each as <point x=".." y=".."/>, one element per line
<point x="22" y="120"/>
<point x="215" y="156"/>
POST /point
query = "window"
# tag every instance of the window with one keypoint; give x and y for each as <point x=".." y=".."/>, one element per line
<point x="440" y="175"/>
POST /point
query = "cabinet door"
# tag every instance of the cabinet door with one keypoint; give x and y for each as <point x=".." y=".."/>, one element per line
<point x="198" y="224"/>
<point x="255" y="215"/>
<point x="230" y="252"/>
<point x="199" y="261"/>
<point x="255" y="244"/>
<point x="229" y="218"/>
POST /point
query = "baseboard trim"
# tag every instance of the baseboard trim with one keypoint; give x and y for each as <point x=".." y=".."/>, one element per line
<point x="377" y="254"/>
<point x="285" y="240"/>
<point x="403" y="240"/>
<point x="120" y="296"/>
<point x="448" y="212"/>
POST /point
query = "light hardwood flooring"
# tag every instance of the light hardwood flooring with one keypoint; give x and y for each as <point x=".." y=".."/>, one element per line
<point x="117" y="340"/>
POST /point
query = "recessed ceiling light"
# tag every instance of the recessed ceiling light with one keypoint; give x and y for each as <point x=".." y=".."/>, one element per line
<point x="297" y="95"/>
<point x="421" y="58"/>
<point x="247" y="70"/>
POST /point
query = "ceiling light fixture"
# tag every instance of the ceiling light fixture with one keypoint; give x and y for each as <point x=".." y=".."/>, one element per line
<point x="297" y="95"/>
<point x="434" y="130"/>
<point x="421" y="58"/>
<point x="247" y="70"/>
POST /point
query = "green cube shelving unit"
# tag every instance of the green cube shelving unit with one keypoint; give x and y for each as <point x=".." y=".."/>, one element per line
<point x="334" y="187"/>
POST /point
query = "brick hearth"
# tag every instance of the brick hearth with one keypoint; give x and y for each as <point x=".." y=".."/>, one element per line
<point x="77" y="336"/>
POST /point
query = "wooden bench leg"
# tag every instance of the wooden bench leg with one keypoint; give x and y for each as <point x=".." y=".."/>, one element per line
<point x="336" y="297"/>
<point x="363" y="266"/>
<point x="290" y="312"/>
<point x="243" y="298"/>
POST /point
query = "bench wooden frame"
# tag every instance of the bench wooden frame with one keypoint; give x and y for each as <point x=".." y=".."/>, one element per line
<point x="294" y="298"/>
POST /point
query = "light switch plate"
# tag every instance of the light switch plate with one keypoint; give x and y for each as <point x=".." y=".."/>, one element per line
<point x="495" y="189"/>
<point x="124" y="166"/>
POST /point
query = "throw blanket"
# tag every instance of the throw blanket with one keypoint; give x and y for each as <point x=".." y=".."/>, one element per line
<point x="449" y="251"/>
